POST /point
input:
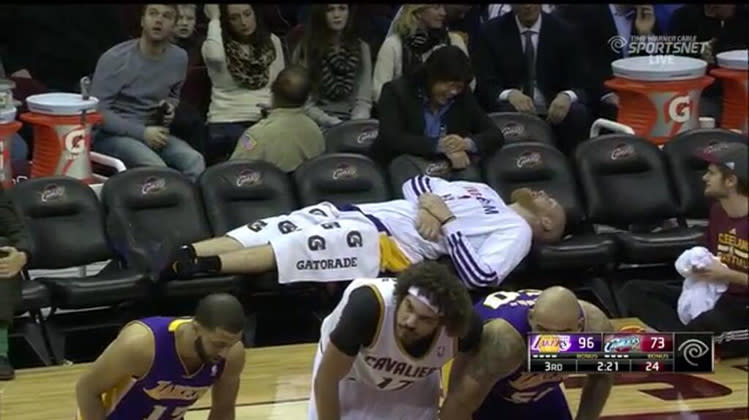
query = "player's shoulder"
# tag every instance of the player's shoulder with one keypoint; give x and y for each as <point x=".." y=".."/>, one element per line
<point x="503" y="337"/>
<point x="235" y="358"/>
<point x="596" y="320"/>
<point x="136" y="336"/>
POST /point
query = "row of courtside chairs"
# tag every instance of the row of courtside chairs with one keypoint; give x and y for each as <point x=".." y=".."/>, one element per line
<point x="618" y="192"/>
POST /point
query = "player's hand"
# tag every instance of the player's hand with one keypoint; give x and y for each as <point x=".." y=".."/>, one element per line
<point x="559" y="108"/>
<point x="452" y="143"/>
<point x="13" y="263"/>
<point x="645" y="19"/>
<point x="434" y="205"/>
<point x="156" y="137"/>
<point x="428" y="226"/>
<point x="715" y="272"/>
<point x="459" y="160"/>
<point x="521" y="102"/>
<point x="168" y="114"/>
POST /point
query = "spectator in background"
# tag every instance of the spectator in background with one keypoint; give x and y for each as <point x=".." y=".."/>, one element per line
<point x="416" y="31"/>
<point x="243" y="58"/>
<point x="15" y="246"/>
<point x="185" y="35"/>
<point x="597" y="27"/>
<point x="432" y="113"/>
<point x="135" y="82"/>
<point x="721" y="27"/>
<point x="287" y="137"/>
<point x="727" y="237"/>
<point x="529" y="61"/>
<point x="339" y="65"/>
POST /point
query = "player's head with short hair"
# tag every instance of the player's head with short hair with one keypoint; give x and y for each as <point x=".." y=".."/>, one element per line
<point x="219" y="322"/>
<point x="556" y="310"/>
<point x="429" y="295"/>
<point x="547" y="217"/>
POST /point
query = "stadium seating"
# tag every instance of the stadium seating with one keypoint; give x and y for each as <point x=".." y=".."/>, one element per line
<point x="239" y="192"/>
<point x="627" y="186"/>
<point x="354" y="136"/>
<point x="33" y="329"/>
<point x="405" y="167"/>
<point x="687" y="168"/>
<point x="522" y="127"/>
<point x="340" y="178"/>
<point x="542" y="167"/>
<point x="153" y="211"/>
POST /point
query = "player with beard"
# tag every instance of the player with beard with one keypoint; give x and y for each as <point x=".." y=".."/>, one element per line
<point x="158" y="367"/>
<point x="467" y="221"/>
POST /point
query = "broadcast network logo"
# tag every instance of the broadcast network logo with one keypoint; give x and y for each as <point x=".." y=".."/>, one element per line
<point x="657" y="45"/>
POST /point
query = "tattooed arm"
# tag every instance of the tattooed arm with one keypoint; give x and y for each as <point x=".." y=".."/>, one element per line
<point x="501" y="351"/>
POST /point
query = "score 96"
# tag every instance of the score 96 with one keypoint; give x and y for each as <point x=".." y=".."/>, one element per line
<point x="657" y="343"/>
<point x="586" y="343"/>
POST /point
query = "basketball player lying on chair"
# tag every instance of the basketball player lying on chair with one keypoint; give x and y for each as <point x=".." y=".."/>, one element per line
<point x="158" y="367"/>
<point x="383" y="347"/>
<point x="485" y="238"/>
<point x="493" y="383"/>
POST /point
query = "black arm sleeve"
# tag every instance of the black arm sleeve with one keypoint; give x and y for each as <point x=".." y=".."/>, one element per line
<point x="472" y="339"/>
<point x="358" y="323"/>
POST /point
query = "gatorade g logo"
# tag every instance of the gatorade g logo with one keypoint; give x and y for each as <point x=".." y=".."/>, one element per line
<point x="257" y="226"/>
<point x="354" y="239"/>
<point x="75" y="141"/>
<point x="318" y="212"/>
<point x="679" y="109"/>
<point x="316" y="243"/>
<point x="286" y="227"/>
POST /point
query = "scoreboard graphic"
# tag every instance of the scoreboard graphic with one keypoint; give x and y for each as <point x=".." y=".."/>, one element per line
<point x="621" y="352"/>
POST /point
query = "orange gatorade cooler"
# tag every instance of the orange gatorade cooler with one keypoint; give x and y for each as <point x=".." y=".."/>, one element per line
<point x="732" y="72"/>
<point x="8" y="127"/>
<point x="62" y="134"/>
<point x="659" y="95"/>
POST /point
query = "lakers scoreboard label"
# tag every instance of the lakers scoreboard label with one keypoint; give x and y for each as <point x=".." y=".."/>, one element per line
<point x="620" y="352"/>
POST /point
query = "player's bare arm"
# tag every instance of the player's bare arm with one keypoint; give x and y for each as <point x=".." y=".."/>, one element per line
<point x="334" y="367"/>
<point x="501" y="351"/>
<point x="597" y="386"/>
<point x="129" y="356"/>
<point x="225" y="390"/>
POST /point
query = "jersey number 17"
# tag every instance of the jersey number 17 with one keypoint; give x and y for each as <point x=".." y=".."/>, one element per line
<point x="387" y="384"/>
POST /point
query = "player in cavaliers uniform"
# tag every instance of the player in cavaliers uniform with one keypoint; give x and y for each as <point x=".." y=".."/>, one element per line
<point x="158" y="367"/>
<point x="383" y="347"/>
<point x="494" y="383"/>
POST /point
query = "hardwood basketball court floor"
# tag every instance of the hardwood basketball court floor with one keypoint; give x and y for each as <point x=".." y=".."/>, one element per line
<point x="276" y="382"/>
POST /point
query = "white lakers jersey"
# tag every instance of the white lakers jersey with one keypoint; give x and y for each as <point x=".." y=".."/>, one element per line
<point x="385" y="365"/>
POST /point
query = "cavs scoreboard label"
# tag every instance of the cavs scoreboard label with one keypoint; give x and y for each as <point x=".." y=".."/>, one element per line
<point x="620" y="352"/>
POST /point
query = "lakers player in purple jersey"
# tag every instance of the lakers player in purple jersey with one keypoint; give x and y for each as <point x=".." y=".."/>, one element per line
<point x="494" y="384"/>
<point x="158" y="367"/>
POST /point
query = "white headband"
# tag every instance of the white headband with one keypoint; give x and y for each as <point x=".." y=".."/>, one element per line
<point x="421" y="297"/>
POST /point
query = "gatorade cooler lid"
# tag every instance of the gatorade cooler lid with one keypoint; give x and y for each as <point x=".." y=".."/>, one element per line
<point x="60" y="103"/>
<point x="7" y="115"/>
<point x="734" y="60"/>
<point x="659" y="68"/>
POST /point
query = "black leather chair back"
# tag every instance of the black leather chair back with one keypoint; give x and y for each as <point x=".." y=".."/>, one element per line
<point x="65" y="220"/>
<point x="152" y="209"/>
<point x="536" y="166"/>
<point x="238" y="192"/>
<point x="340" y="178"/>
<point x="355" y="136"/>
<point x="625" y="180"/>
<point x="521" y="127"/>
<point x="688" y="169"/>
<point x="405" y="167"/>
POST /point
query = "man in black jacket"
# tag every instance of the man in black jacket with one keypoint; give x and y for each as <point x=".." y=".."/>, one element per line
<point x="13" y="258"/>
<point x="529" y="61"/>
<point x="433" y="113"/>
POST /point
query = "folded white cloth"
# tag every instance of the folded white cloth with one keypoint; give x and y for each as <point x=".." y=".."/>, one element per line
<point x="697" y="296"/>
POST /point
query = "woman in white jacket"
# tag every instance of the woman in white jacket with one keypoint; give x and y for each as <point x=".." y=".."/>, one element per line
<point x="417" y="30"/>
<point x="242" y="59"/>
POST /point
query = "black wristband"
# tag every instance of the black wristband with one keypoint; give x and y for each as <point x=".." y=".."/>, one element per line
<point x="449" y="219"/>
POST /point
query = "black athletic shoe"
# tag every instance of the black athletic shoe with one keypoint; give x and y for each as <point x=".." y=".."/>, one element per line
<point x="6" y="370"/>
<point x="184" y="264"/>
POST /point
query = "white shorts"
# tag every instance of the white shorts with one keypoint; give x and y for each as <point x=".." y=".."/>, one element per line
<point x="358" y="401"/>
<point x="317" y="243"/>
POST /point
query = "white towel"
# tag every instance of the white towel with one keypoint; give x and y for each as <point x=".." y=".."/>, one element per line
<point x="697" y="296"/>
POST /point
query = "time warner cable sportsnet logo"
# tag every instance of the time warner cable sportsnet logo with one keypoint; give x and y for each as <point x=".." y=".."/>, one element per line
<point x="660" y="49"/>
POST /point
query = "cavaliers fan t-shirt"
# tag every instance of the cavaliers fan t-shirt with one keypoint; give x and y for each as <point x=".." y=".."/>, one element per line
<point x="728" y="238"/>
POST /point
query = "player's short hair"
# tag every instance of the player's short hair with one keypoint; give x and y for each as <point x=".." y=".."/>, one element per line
<point x="220" y="310"/>
<point x="442" y="288"/>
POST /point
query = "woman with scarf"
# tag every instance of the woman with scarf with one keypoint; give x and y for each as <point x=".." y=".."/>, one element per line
<point x="417" y="30"/>
<point x="242" y="59"/>
<point x="339" y="64"/>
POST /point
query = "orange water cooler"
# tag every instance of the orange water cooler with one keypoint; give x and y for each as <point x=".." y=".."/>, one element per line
<point x="659" y="95"/>
<point x="733" y="72"/>
<point x="62" y="125"/>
